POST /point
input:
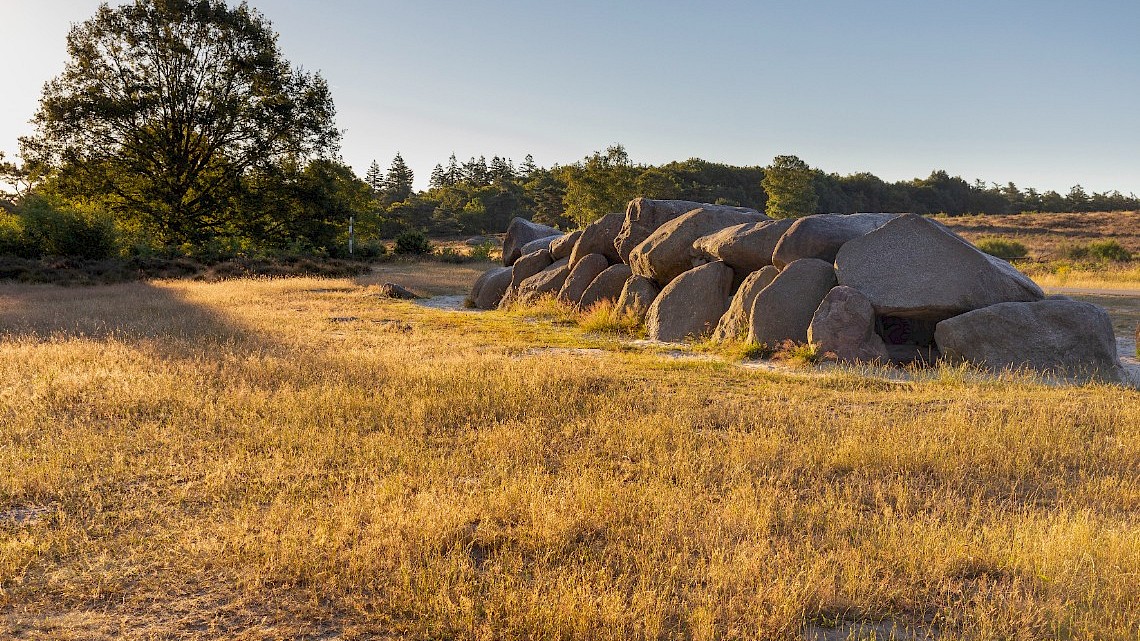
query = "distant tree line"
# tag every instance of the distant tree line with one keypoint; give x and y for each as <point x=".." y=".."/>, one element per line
<point x="481" y="196"/>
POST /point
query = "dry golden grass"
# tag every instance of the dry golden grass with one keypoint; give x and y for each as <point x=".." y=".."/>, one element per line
<point x="302" y="459"/>
<point x="1047" y="235"/>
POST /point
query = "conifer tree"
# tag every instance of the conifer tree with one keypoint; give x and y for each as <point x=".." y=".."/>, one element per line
<point x="375" y="178"/>
<point x="398" y="182"/>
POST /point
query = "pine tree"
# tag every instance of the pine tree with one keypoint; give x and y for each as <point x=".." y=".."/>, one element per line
<point x="398" y="182"/>
<point x="788" y="182"/>
<point x="501" y="170"/>
<point x="476" y="172"/>
<point x="374" y="177"/>
<point x="528" y="167"/>
<point x="453" y="174"/>
<point x="438" y="178"/>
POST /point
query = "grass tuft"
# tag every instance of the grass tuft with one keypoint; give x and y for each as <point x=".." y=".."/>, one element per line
<point x="604" y="318"/>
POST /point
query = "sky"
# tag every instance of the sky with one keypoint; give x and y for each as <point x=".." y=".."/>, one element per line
<point x="1045" y="94"/>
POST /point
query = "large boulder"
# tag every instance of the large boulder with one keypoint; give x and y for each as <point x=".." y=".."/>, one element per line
<point x="912" y="267"/>
<point x="734" y="323"/>
<point x="745" y="248"/>
<point x="636" y="296"/>
<point x="520" y="232"/>
<point x="490" y="288"/>
<point x="667" y="253"/>
<point x="643" y="216"/>
<point x="783" y="310"/>
<point x="691" y="305"/>
<point x="524" y="268"/>
<point x="1054" y="336"/>
<point x="844" y="324"/>
<point x="598" y="238"/>
<point x="541" y="243"/>
<point x="822" y="235"/>
<point x="607" y="286"/>
<point x="562" y="247"/>
<point x="581" y="275"/>
<point x="549" y="280"/>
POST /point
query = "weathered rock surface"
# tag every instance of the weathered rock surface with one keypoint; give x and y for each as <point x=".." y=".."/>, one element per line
<point x="844" y="324"/>
<point x="476" y="241"/>
<point x="784" y="309"/>
<point x="643" y="216"/>
<point x="667" y="252"/>
<point x="822" y="235"/>
<point x="541" y="243"/>
<point x="745" y="248"/>
<point x="607" y="286"/>
<point x="913" y="267"/>
<point x="528" y="266"/>
<point x="637" y="295"/>
<point x="1065" y="337"/>
<point x="734" y="323"/>
<point x="490" y="288"/>
<point x="549" y="280"/>
<point x="691" y="305"/>
<point x="562" y="247"/>
<point x="520" y="232"/>
<point x="581" y="276"/>
<point x="598" y="238"/>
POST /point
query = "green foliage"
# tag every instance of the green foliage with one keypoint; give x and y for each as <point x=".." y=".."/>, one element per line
<point x="1099" y="250"/>
<point x="39" y="227"/>
<point x="450" y="255"/>
<point x="602" y="184"/>
<point x="413" y="243"/>
<point x="788" y="183"/>
<point x="1003" y="248"/>
<point x="482" y="252"/>
<point x="754" y="351"/>
<point x="371" y="250"/>
<point x="164" y="108"/>
<point x="397" y="184"/>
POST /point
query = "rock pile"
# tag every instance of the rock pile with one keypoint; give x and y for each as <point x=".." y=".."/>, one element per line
<point x="895" y="288"/>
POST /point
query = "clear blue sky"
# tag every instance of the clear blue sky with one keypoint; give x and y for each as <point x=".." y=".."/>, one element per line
<point x="1044" y="93"/>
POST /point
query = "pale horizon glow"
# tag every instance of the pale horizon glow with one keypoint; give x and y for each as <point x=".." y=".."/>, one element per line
<point x="1042" y="94"/>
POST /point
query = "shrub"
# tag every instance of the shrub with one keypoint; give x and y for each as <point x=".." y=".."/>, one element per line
<point x="1003" y="248"/>
<point x="370" y="250"/>
<point x="482" y="252"/>
<point x="449" y="255"/>
<point x="1099" y="250"/>
<point x="1109" y="250"/>
<point x="48" y="230"/>
<point x="413" y="243"/>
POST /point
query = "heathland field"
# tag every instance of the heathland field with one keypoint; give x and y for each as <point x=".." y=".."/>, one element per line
<point x="267" y="459"/>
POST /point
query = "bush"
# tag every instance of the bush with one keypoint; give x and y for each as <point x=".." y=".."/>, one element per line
<point x="482" y="252"/>
<point x="1109" y="250"/>
<point x="1099" y="250"/>
<point x="370" y="250"/>
<point x="449" y="255"/>
<point x="43" y="229"/>
<point x="413" y="242"/>
<point x="1003" y="248"/>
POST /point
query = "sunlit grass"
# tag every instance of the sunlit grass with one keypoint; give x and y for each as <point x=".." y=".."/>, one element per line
<point x="1111" y="276"/>
<point x="301" y="459"/>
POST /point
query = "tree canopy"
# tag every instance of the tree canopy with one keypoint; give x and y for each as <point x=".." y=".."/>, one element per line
<point x="165" y="109"/>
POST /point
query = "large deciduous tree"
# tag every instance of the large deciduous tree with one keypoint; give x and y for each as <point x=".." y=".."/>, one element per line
<point x="167" y="106"/>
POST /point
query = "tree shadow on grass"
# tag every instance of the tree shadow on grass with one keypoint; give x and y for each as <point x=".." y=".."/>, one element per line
<point x="137" y="313"/>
